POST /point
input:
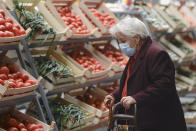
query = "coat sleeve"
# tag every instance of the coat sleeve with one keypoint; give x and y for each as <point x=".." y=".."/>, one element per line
<point x="161" y="73"/>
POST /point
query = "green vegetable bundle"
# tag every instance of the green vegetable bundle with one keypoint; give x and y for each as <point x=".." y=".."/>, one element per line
<point x="66" y="113"/>
<point x="46" y="66"/>
<point x="33" y="20"/>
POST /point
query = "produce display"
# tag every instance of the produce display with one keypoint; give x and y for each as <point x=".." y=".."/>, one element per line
<point x="8" y="28"/>
<point x="85" y="59"/>
<point x="153" y="19"/>
<point x="16" y="79"/>
<point x="73" y="21"/>
<point x="114" y="55"/>
<point x="32" y="20"/>
<point x="46" y="66"/>
<point x="11" y="123"/>
<point x="91" y="100"/>
<point x="189" y="19"/>
<point x="66" y="115"/>
<point x="104" y="18"/>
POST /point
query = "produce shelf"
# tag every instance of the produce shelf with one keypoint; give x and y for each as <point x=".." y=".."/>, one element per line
<point x="88" y="83"/>
<point x="17" y="101"/>
<point x="68" y="42"/>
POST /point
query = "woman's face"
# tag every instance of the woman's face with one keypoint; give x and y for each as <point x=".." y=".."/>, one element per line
<point x="124" y="39"/>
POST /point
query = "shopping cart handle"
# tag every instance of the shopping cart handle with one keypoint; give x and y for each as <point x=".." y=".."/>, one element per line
<point x="118" y="106"/>
<point x="123" y="117"/>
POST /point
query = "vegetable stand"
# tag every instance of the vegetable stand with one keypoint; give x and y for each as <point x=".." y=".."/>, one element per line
<point x="85" y="80"/>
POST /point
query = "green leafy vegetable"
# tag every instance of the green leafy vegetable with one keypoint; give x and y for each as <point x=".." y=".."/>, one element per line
<point x="33" y="20"/>
<point x="46" y="66"/>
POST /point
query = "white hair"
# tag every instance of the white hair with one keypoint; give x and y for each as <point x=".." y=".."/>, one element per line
<point x="130" y="27"/>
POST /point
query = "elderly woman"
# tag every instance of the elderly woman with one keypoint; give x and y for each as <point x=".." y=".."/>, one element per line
<point x="148" y="80"/>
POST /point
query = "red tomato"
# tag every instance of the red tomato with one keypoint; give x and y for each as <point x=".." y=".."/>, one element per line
<point x="25" y="77"/>
<point x="9" y="20"/>
<point x="2" y="12"/>
<point x="15" y="76"/>
<point x="31" y="82"/>
<point x="8" y="25"/>
<point x="20" y="75"/>
<point x="2" y="21"/>
<point x="17" y="26"/>
<point x="38" y="129"/>
<point x="19" y="80"/>
<point x="21" y="125"/>
<point x="4" y="70"/>
<point x="1" y="34"/>
<point x="27" y="84"/>
<point x="12" y="85"/>
<point x="1" y="82"/>
<point x="9" y="34"/>
<point x="23" y="129"/>
<point x="12" y="129"/>
<point x="22" y="32"/>
<point x="31" y="127"/>
<point x="3" y="77"/>
<point x="12" y="122"/>
<point x="20" y="84"/>
<point x="10" y="76"/>
<point x="2" y="27"/>
<point x="40" y="126"/>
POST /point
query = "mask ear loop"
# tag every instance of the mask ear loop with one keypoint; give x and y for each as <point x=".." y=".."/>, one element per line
<point x="118" y="43"/>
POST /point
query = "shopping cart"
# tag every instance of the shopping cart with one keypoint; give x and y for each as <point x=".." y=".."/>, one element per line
<point x="114" y="117"/>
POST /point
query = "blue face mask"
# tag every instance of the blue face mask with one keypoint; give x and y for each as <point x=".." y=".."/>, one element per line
<point x="126" y="49"/>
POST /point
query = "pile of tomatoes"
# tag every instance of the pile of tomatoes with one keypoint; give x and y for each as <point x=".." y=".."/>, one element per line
<point x="115" y="56"/>
<point x="91" y="100"/>
<point x="12" y="124"/>
<point x="104" y="18"/>
<point x="73" y="21"/>
<point x="89" y="63"/>
<point x="8" y="28"/>
<point x="16" y="79"/>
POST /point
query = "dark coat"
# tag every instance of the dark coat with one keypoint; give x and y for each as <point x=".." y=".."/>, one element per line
<point x="152" y="84"/>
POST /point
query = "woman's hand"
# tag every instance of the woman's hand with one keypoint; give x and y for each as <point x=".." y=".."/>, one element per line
<point x="109" y="100"/>
<point x="127" y="102"/>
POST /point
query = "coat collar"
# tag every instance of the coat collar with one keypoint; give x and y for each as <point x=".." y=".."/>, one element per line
<point x="140" y="56"/>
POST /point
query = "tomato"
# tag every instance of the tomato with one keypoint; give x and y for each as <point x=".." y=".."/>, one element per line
<point x="31" y="127"/>
<point x="38" y="129"/>
<point x="27" y="84"/>
<point x="12" y="129"/>
<point x="19" y="80"/>
<point x="2" y="21"/>
<point x="21" y="125"/>
<point x="25" y="77"/>
<point x="11" y="67"/>
<point x="9" y="34"/>
<point x="20" y="75"/>
<point x="12" y="122"/>
<point x="1" y="34"/>
<point x="12" y="85"/>
<point x="8" y="25"/>
<point x="9" y="20"/>
<point x="17" y="26"/>
<point x="1" y="82"/>
<point x="31" y="82"/>
<point x="2" y="12"/>
<point x="40" y="126"/>
<point x="4" y="70"/>
<point x="23" y="129"/>
<point x="2" y="27"/>
<point x="10" y="76"/>
<point x="3" y="77"/>
<point x="22" y="31"/>
<point x="20" y="84"/>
